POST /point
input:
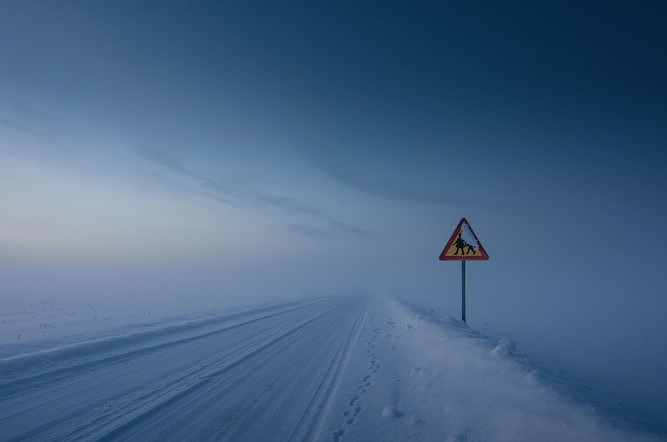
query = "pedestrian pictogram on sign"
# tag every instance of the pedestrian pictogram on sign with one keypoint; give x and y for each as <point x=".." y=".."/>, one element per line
<point x="463" y="245"/>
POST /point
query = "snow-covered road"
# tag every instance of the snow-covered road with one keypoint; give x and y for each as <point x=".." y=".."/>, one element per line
<point x="340" y="368"/>
<point x="267" y="374"/>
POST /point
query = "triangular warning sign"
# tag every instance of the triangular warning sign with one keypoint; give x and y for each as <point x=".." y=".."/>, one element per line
<point x="463" y="245"/>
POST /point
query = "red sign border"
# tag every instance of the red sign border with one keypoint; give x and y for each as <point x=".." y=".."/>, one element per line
<point x="483" y="257"/>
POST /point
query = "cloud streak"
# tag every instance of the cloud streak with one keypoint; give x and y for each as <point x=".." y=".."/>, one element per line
<point x="389" y="190"/>
<point x="238" y="195"/>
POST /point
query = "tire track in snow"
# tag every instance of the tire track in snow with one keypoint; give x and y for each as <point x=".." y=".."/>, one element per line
<point x="238" y="375"/>
<point x="24" y="372"/>
<point x="297" y="404"/>
<point x="322" y="401"/>
<point x="132" y="401"/>
<point x="200" y="381"/>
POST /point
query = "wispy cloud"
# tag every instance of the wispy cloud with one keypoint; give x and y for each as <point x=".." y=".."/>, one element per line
<point x="19" y="117"/>
<point x="388" y="189"/>
<point x="320" y="224"/>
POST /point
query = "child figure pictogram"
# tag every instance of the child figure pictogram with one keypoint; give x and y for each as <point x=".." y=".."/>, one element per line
<point x="461" y="244"/>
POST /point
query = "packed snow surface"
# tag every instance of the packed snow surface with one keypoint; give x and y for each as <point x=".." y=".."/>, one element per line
<point x="337" y="368"/>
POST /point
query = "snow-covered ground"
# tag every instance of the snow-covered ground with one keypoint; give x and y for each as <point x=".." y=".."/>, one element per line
<point x="29" y="325"/>
<point x="337" y="368"/>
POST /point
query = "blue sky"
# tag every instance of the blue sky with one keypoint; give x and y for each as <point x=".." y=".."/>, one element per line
<point x="262" y="148"/>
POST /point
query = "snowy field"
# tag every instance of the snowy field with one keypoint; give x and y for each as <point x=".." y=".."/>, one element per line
<point x="336" y="368"/>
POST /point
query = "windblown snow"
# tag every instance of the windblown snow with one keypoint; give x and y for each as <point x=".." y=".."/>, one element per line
<point x="336" y="368"/>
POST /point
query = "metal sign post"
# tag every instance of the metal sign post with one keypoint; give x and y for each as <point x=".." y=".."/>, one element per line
<point x="463" y="246"/>
<point x="463" y="291"/>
